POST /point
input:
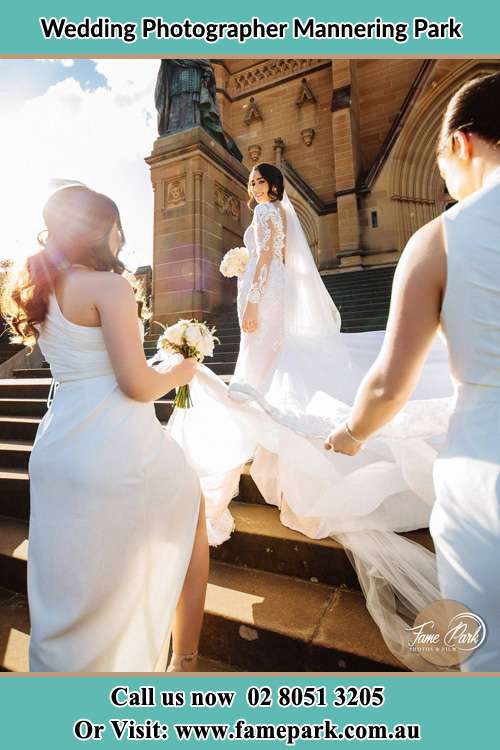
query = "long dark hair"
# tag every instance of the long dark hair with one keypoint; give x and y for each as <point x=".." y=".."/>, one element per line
<point x="474" y="108"/>
<point x="78" y="222"/>
<point x="274" y="177"/>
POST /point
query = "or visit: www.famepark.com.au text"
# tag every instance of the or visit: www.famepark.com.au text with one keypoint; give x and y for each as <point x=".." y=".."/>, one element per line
<point x="289" y="734"/>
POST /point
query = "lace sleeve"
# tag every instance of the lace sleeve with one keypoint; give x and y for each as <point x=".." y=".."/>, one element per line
<point x="268" y="240"/>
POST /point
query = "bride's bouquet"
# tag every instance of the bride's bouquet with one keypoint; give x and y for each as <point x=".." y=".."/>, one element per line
<point x="191" y="339"/>
<point x="234" y="262"/>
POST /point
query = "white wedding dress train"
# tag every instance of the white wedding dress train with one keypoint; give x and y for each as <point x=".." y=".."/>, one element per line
<point x="295" y="380"/>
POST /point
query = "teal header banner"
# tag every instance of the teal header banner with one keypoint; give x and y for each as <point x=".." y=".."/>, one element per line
<point x="94" y="29"/>
<point x="280" y="711"/>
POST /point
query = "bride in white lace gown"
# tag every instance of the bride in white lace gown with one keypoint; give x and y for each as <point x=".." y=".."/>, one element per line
<point x="295" y="379"/>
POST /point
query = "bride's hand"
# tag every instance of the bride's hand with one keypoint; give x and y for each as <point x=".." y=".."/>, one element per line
<point x="249" y="321"/>
<point x="340" y="442"/>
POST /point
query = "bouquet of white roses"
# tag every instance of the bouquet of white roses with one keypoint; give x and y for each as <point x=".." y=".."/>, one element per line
<point x="234" y="262"/>
<point x="191" y="339"/>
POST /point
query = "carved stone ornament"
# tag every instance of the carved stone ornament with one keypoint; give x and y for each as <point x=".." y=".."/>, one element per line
<point x="254" y="152"/>
<point x="279" y="149"/>
<point x="227" y="203"/>
<point x="308" y="135"/>
<point x="305" y="94"/>
<point x="253" y="112"/>
<point x="267" y="71"/>
<point x="173" y="193"/>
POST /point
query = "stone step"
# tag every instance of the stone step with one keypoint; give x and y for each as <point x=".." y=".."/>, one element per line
<point x="9" y="349"/>
<point x="231" y="338"/>
<point x="34" y="389"/>
<point x="13" y="554"/>
<point x="23" y="407"/>
<point x="35" y="372"/>
<point x="359" y="289"/>
<point x="357" y="281"/>
<point x="227" y="326"/>
<point x="364" y="306"/>
<point x="29" y="388"/>
<point x="367" y="274"/>
<point x="225" y="356"/>
<point x="42" y="372"/>
<point x="220" y="368"/>
<point x="325" y="629"/>
<point x="14" y="637"/>
<point x="15" y="454"/>
<point x="351" y="300"/>
<point x="364" y="327"/>
<point x="14" y="632"/>
<point x="36" y="407"/>
<point x="377" y="320"/>
<point x="15" y="494"/>
<point x="260" y="541"/>
<point x="19" y="428"/>
<point x="260" y="621"/>
<point x="225" y="347"/>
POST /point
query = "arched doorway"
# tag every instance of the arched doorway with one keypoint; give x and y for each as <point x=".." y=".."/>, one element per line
<point x="415" y="185"/>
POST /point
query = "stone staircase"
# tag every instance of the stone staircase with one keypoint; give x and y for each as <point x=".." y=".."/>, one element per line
<point x="277" y="600"/>
<point x="362" y="297"/>
<point x="7" y="350"/>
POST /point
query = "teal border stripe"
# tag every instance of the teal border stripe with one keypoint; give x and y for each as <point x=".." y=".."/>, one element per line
<point x="21" y="34"/>
<point x="458" y="713"/>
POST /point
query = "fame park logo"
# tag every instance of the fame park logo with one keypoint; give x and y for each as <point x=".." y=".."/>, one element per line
<point x="446" y="632"/>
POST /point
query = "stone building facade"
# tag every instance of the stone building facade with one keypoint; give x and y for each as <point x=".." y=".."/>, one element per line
<point x="356" y="140"/>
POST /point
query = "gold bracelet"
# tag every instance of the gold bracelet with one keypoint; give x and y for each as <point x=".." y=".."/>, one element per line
<point x="353" y="437"/>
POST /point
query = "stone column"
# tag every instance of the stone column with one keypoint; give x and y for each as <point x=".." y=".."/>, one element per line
<point x="345" y="124"/>
<point x="200" y="212"/>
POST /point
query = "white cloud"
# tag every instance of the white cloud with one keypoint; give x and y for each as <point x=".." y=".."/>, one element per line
<point x="65" y="63"/>
<point x="99" y="137"/>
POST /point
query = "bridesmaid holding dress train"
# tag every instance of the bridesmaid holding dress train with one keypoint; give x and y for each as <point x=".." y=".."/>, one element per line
<point x="118" y="554"/>
<point x="449" y="275"/>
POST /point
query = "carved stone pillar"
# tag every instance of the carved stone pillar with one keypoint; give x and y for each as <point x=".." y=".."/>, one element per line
<point x="345" y="124"/>
<point x="200" y="213"/>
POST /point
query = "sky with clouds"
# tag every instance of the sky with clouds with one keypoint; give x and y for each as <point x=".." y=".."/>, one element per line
<point x="89" y="120"/>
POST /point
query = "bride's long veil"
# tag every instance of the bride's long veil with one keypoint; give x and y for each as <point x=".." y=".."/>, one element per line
<point x="309" y="309"/>
<point x="398" y="576"/>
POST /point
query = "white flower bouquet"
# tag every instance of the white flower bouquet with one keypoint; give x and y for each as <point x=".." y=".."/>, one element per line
<point x="191" y="339"/>
<point x="234" y="262"/>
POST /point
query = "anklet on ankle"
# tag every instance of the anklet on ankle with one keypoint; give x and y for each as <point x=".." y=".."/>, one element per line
<point x="178" y="662"/>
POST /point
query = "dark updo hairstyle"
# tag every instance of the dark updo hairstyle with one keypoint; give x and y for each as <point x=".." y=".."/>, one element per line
<point x="474" y="108"/>
<point x="274" y="177"/>
<point x="79" y="222"/>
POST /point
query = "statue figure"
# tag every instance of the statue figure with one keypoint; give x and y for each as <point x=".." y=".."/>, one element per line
<point x="185" y="97"/>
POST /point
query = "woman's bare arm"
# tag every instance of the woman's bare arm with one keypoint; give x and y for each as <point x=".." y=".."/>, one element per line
<point x="116" y="304"/>
<point x="413" y="321"/>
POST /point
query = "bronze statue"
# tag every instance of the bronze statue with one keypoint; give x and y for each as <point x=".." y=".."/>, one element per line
<point x="185" y="97"/>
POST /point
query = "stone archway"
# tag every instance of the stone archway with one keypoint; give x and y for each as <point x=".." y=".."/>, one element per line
<point x="415" y="186"/>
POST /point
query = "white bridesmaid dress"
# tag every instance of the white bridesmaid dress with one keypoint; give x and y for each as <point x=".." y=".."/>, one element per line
<point x="114" y="508"/>
<point x="465" y="521"/>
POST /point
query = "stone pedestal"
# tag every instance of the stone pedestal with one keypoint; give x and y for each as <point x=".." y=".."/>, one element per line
<point x="200" y="212"/>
